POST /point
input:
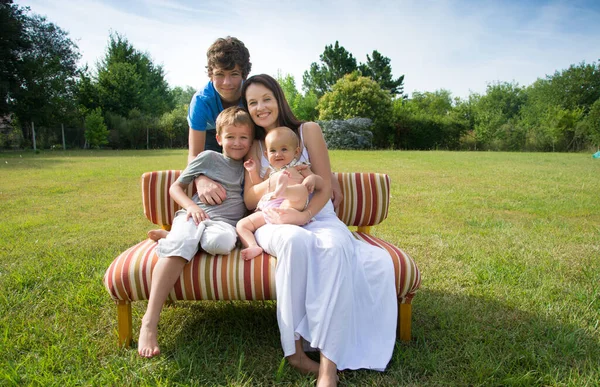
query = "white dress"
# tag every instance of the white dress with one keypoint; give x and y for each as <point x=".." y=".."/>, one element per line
<point x="336" y="292"/>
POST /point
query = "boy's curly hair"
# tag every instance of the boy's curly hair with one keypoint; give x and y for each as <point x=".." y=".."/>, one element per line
<point x="227" y="52"/>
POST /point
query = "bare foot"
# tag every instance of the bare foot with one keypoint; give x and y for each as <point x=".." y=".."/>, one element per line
<point x="282" y="183"/>
<point x="157" y="234"/>
<point x="147" y="342"/>
<point x="327" y="380"/>
<point x="303" y="363"/>
<point x="251" y="252"/>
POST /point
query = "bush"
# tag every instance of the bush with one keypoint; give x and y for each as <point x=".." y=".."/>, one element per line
<point x="357" y="96"/>
<point x="353" y="133"/>
<point x="96" y="133"/>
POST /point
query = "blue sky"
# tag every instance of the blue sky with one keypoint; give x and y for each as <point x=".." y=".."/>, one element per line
<point x="458" y="45"/>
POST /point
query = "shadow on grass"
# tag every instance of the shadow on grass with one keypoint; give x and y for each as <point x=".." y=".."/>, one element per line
<point x="466" y="340"/>
<point x="457" y="340"/>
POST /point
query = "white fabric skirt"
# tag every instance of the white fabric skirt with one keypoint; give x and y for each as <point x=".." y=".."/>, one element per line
<point x="336" y="292"/>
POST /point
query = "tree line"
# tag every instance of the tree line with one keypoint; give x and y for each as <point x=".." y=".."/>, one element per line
<point x="127" y="103"/>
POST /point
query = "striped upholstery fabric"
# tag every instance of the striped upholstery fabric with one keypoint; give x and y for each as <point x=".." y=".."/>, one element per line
<point x="159" y="207"/>
<point x="366" y="198"/>
<point x="228" y="277"/>
<point x="408" y="277"/>
<point x="206" y="277"/>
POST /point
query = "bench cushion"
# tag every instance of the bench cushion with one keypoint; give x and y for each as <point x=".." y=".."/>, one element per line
<point x="365" y="203"/>
<point x="229" y="277"/>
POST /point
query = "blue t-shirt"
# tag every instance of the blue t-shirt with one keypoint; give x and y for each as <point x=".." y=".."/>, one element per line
<point x="204" y="108"/>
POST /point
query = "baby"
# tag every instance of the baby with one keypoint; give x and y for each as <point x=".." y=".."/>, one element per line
<point x="282" y="150"/>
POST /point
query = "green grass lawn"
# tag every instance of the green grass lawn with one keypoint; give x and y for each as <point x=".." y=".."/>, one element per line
<point x="508" y="245"/>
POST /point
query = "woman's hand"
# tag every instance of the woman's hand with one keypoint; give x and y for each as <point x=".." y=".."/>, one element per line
<point x="336" y="193"/>
<point x="287" y="216"/>
<point x="209" y="192"/>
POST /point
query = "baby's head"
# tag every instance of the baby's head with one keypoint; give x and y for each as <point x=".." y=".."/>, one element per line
<point x="281" y="146"/>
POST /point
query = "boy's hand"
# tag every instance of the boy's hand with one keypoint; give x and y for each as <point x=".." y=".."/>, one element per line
<point x="250" y="165"/>
<point x="196" y="214"/>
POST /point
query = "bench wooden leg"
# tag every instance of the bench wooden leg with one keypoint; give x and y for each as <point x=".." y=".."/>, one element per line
<point x="124" y="323"/>
<point x="404" y="319"/>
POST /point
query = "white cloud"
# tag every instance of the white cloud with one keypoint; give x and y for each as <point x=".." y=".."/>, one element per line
<point x="457" y="45"/>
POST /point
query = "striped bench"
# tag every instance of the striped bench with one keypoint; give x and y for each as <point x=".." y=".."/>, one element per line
<point x="229" y="277"/>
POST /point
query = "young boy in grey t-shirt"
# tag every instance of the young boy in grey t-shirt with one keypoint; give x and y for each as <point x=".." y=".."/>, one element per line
<point x="212" y="227"/>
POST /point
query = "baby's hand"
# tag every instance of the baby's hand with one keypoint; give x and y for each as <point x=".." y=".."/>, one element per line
<point x="250" y="165"/>
<point x="294" y="175"/>
<point x="310" y="182"/>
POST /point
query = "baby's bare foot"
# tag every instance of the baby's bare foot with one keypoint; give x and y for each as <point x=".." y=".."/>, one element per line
<point x="155" y="235"/>
<point x="147" y="342"/>
<point x="282" y="183"/>
<point x="251" y="252"/>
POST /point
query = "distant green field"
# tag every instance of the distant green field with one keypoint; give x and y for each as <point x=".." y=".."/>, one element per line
<point x="508" y="245"/>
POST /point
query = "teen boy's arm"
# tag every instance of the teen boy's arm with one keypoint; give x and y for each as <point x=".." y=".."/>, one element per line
<point x="196" y="141"/>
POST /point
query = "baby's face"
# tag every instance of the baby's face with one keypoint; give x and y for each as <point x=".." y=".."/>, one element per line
<point x="280" y="150"/>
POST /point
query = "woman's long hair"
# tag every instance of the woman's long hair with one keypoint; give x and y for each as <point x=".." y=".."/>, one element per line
<point x="286" y="116"/>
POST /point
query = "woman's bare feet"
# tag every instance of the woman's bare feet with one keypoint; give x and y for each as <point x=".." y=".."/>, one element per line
<point x="251" y="252"/>
<point x="147" y="342"/>
<point x="282" y="183"/>
<point x="157" y="234"/>
<point x="303" y="363"/>
<point x="327" y="373"/>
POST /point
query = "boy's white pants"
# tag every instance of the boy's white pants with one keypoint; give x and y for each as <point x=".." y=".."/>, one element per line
<point x="214" y="236"/>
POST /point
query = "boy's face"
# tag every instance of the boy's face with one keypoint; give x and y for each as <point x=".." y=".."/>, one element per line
<point x="281" y="148"/>
<point x="235" y="140"/>
<point x="228" y="83"/>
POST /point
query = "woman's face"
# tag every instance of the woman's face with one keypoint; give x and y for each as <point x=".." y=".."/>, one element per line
<point x="262" y="106"/>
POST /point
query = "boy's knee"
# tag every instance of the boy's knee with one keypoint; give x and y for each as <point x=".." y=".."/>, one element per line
<point x="221" y="245"/>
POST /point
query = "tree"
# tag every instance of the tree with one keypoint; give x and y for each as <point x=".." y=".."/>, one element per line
<point x="553" y="102"/>
<point x="497" y="115"/>
<point x="96" y="133"/>
<point x="303" y="106"/>
<point x="13" y="43"/>
<point x="576" y="87"/>
<point x="128" y="79"/>
<point x="120" y="88"/>
<point x="429" y="120"/>
<point x="174" y="126"/>
<point x="593" y="123"/>
<point x="378" y="68"/>
<point x="357" y="96"/>
<point x="561" y="125"/>
<point x="182" y="96"/>
<point x="335" y="63"/>
<point x="46" y="72"/>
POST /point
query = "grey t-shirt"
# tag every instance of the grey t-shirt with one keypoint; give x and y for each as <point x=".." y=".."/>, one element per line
<point x="225" y="171"/>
